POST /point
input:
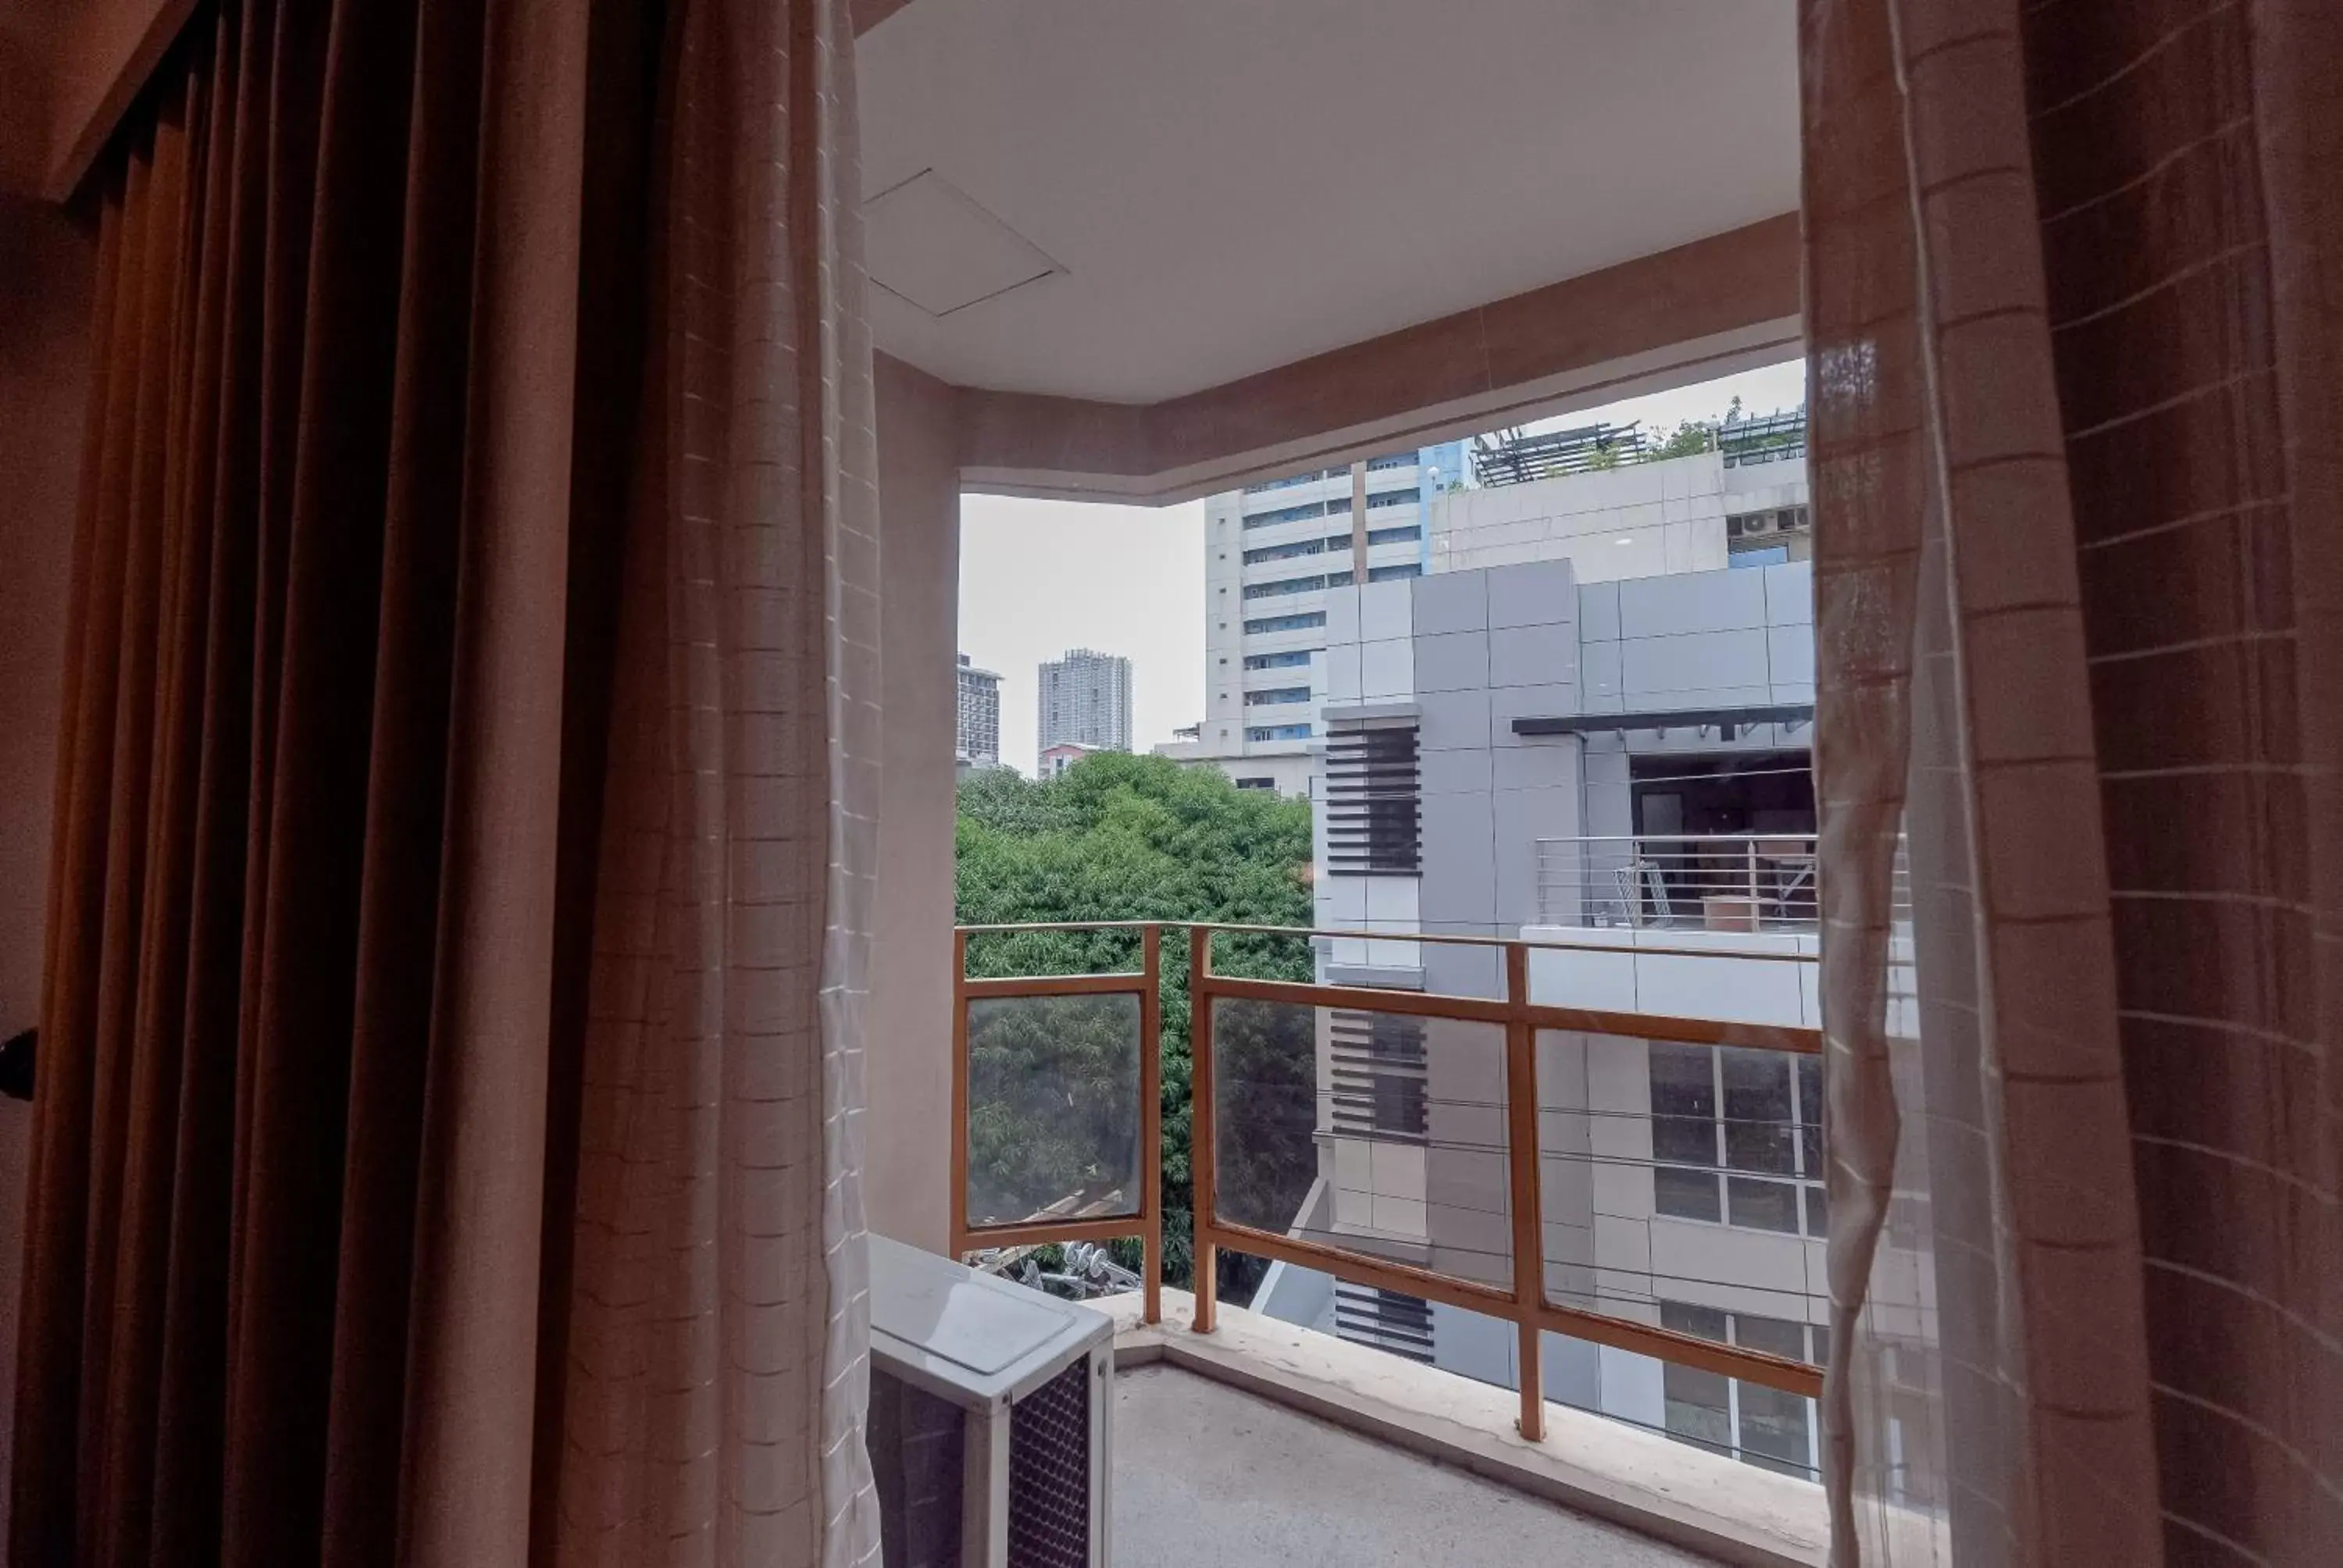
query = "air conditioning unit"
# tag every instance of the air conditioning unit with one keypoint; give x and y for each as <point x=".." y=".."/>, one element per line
<point x="990" y="1418"/>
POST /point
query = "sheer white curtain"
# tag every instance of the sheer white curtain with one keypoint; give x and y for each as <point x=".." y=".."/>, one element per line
<point x="2074" y="294"/>
<point x="720" y="1316"/>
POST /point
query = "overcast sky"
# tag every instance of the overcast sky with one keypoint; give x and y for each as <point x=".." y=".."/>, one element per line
<point x="1038" y="578"/>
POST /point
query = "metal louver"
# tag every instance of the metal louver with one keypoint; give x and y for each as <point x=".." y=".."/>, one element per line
<point x="1374" y="806"/>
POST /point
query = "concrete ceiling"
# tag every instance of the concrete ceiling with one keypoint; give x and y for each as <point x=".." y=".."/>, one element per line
<point x="1223" y="186"/>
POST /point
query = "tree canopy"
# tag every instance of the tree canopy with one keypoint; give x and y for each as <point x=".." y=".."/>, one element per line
<point x="1052" y="1086"/>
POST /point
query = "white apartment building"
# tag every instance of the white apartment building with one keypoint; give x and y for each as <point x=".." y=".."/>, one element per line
<point x="979" y="743"/>
<point x="1540" y="740"/>
<point x="1085" y="699"/>
<point x="1274" y="552"/>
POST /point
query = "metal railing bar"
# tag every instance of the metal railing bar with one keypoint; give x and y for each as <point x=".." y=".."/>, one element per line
<point x="1361" y="999"/>
<point x="1107" y="1228"/>
<point x="1536" y="944"/>
<point x="1787" y="1038"/>
<point x="1012" y="987"/>
<point x="1361" y="1268"/>
<point x="1684" y="1350"/>
<point x="1066" y="926"/>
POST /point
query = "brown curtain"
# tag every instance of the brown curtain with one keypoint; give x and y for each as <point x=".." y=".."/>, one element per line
<point x="329" y="1115"/>
<point x="2074" y="301"/>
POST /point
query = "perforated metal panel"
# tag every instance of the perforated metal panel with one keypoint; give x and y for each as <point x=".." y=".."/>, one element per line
<point x="915" y="1444"/>
<point x="1050" y="1473"/>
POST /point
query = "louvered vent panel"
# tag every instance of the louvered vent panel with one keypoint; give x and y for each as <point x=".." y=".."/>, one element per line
<point x="1379" y="1071"/>
<point x="1385" y="1320"/>
<point x="1375" y="807"/>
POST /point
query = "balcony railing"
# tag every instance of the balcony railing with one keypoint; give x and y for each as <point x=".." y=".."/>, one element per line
<point x="1718" y="882"/>
<point x="1313" y="1107"/>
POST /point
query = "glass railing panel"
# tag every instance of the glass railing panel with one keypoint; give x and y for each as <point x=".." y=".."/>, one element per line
<point x="1053" y="1108"/>
<point x="1379" y="1132"/>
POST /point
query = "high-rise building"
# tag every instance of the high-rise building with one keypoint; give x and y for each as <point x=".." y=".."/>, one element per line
<point x="979" y="716"/>
<point x="1272" y="552"/>
<point x="1085" y="699"/>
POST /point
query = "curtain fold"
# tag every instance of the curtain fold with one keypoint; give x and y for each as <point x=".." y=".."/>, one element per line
<point x="715" y="1393"/>
<point x="313" y="1252"/>
<point x="2073" y="283"/>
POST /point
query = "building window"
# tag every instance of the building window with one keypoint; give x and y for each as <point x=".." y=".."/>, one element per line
<point x="1287" y="514"/>
<point x="1391" y="460"/>
<point x="1734" y="1417"/>
<point x="1293" y="660"/>
<point x="1769" y="538"/>
<point x="1313" y="620"/>
<point x="1392" y="498"/>
<point x="1738" y="1138"/>
<point x="1284" y="585"/>
<point x="1283" y="552"/>
<point x="1398" y="536"/>
<point x="1310" y="478"/>
<point x="1278" y="732"/>
<point x="1255" y="783"/>
<point x="1395" y="574"/>
<point x="1277" y="695"/>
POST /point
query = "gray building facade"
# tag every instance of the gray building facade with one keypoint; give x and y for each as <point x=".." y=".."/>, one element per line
<point x="1085" y="699"/>
<point x="979" y="716"/>
<point x="1474" y="720"/>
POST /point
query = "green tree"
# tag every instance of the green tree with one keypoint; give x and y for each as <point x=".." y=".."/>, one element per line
<point x="1126" y="838"/>
<point x="1691" y="436"/>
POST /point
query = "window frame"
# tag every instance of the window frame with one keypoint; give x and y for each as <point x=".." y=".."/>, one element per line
<point x="1808" y="1154"/>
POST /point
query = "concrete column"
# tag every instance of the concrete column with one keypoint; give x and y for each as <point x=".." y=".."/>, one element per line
<point x="908" y="1050"/>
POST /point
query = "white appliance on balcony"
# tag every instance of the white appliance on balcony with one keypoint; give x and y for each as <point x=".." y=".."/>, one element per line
<point x="990" y="1409"/>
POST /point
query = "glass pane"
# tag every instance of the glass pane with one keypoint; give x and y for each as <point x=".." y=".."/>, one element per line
<point x="1683" y="1104"/>
<point x="1052" y="1108"/>
<point x="1684" y="1318"/>
<point x="1757" y="1124"/>
<point x="1698" y="1408"/>
<point x="1810" y="1115"/>
<point x="1685" y="1194"/>
<point x="1774" y="1336"/>
<point x="1382" y="1133"/>
<point x="1817" y="1213"/>
<point x="1810" y="1090"/>
<point x="1763" y="1205"/>
<point x="1773" y="1428"/>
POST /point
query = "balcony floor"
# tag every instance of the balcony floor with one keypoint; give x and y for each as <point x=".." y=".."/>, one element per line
<point x="1205" y="1474"/>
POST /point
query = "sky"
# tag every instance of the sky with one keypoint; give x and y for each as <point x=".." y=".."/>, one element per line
<point x="1039" y="577"/>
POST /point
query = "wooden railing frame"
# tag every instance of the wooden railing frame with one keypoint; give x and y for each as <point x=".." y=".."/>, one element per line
<point x="1146" y="983"/>
<point x="1523" y="1299"/>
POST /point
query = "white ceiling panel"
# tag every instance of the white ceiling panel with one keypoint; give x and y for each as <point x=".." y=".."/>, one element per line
<point x="1221" y="186"/>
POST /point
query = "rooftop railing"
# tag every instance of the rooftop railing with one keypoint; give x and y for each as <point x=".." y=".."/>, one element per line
<point x="1455" y="1149"/>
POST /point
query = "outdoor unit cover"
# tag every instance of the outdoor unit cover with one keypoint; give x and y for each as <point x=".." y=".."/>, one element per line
<point x="990" y="1408"/>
